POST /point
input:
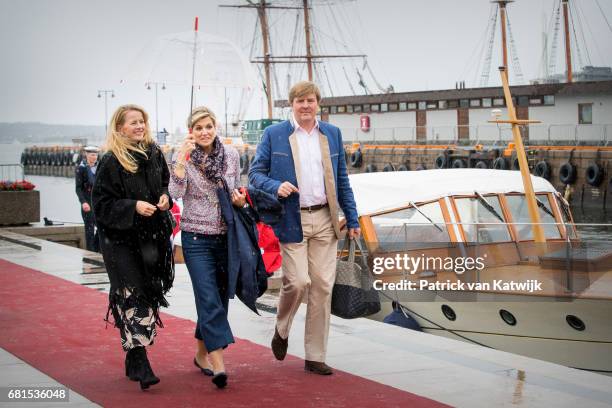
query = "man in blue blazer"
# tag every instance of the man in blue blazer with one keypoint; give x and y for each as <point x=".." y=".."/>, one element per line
<point x="301" y="160"/>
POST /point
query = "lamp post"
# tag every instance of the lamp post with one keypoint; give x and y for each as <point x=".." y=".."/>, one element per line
<point x="105" y="92"/>
<point x="163" y="87"/>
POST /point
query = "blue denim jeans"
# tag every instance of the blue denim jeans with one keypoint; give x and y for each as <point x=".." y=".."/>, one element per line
<point x="206" y="260"/>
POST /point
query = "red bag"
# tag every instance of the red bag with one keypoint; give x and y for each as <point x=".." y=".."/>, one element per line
<point x="268" y="242"/>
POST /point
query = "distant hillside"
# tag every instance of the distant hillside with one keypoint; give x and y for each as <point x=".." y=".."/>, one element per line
<point x="33" y="132"/>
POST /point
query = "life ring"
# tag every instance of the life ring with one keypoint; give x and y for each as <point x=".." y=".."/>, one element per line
<point x="567" y="173"/>
<point x="402" y="167"/>
<point x="371" y="168"/>
<point x="388" y="167"/>
<point x="356" y="158"/>
<point x="515" y="164"/>
<point x="500" y="163"/>
<point x="441" y="161"/>
<point x="244" y="163"/>
<point x="482" y="164"/>
<point x="459" y="164"/>
<point x="542" y="169"/>
<point x="594" y="174"/>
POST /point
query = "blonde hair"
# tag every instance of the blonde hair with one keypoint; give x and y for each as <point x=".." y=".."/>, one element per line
<point x="120" y="146"/>
<point x="199" y="113"/>
<point x="302" y="89"/>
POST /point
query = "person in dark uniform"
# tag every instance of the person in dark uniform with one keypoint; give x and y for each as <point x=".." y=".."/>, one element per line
<point x="85" y="178"/>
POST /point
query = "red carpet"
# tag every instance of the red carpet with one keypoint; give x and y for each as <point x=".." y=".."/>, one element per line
<point x="56" y="326"/>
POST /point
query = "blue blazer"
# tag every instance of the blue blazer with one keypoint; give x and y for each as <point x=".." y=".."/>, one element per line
<point x="274" y="163"/>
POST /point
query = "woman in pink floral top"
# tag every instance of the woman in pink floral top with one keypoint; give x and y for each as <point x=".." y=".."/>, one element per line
<point x="202" y="164"/>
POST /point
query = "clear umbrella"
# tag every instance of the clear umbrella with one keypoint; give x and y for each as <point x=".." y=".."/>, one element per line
<point x="201" y="60"/>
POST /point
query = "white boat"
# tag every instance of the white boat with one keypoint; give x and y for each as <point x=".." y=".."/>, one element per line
<point x="560" y="307"/>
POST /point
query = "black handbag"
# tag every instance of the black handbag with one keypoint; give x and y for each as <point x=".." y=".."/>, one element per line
<point x="353" y="294"/>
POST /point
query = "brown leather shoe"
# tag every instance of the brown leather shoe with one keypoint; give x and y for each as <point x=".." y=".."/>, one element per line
<point x="317" y="367"/>
<point x="279" y="345"/>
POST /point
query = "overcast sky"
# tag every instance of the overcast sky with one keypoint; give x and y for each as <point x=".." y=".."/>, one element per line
<point x="56" y="55"/>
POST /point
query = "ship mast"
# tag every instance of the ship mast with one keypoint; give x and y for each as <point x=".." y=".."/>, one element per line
<point x="307" y="31"/>
<point x="568" y="51"/>
<point x="268" y="59"/>
<point x="502" y="16"/>
<point x="261" y="7"/>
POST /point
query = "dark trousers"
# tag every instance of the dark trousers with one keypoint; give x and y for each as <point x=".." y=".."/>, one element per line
<point x="206" y="260"/>
<point x="91" y="235"/>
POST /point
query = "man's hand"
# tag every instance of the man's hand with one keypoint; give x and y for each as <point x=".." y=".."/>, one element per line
<point x="354" y="233"/>
<point x="286" y="189"/>
<point x="86" y="207"/>
<point x="145" y="209"/>
<point x="164" y="202"/>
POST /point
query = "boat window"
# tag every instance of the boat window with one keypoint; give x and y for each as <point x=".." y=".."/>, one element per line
<point x="520" y="214"/>
<point x="480" y="218"/>
<point x="411" y="228"/>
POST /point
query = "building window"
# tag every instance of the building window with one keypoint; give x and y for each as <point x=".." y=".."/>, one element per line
<point x="549" y="99"/>
<point x="474" y="103"/>
<point x="523" y="101"/>
<point x="432" y="105"/>
<point x="334" y="109"/>
<point x="464" y="103"/>
<point x="384" y="107"/>
<point x="393" y="107"/>
<point x="422" y="105"/>
<point x="325" y="109"/>
<point x="349" y="108"/>
<point x="487" y="102"/>
<point x="535" y="101"/>
<point x="341" y="109"/>
<point x="585" y="113"/>
<point x="357" y="108"/>
<point x="498" y="102"/>
<point x="375" y="107"/>
<point x="403" y="106"/>
<point x="453" y="104"/>
<point x="366" y="108"/>
<point x="412" y="105"/>
<point x="442" y="104"/>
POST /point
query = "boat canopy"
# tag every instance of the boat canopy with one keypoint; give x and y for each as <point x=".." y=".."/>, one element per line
<point x="376" y="192"/>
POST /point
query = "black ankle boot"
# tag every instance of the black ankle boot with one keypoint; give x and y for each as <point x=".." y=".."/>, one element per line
<point x="129" y="364"/>
<point x="140" y="368"/>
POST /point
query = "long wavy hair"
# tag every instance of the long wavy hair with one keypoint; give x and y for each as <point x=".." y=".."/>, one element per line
<point x="120" y="145"/>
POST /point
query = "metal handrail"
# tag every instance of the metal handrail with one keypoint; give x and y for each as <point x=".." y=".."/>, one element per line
<point x="11" y="168"/>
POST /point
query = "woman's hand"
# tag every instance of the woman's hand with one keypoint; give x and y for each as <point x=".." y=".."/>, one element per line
<point x="164" y="202"/>
<point x="145" y="209"/>
<point x="186" y="148"/>
<point x="238" y="198"/>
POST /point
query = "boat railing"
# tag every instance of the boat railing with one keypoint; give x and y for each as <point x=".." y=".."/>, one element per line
<point x="488" y="134"/>
<point x="11" y="172"/>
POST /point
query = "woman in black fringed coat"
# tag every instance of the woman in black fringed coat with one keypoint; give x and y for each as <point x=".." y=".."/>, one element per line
<point x="131" y="202"/>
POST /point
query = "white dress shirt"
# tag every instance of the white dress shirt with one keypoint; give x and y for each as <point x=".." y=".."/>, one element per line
<point x="312" y="184"/>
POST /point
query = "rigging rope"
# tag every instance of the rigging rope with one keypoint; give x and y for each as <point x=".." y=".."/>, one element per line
<point x="518" y="73"/>
<point x="553" y="51"/>
<point x="484" y="77"/>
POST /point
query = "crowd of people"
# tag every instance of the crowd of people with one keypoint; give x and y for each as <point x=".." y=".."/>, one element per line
<point x="298" y="176"/>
